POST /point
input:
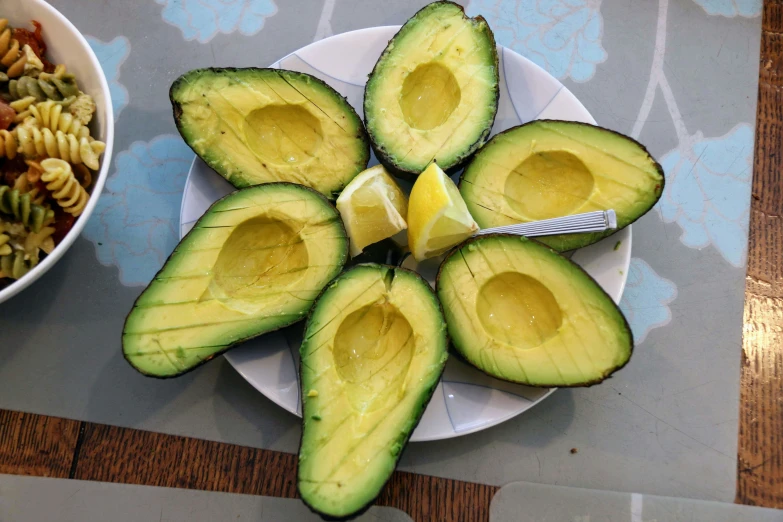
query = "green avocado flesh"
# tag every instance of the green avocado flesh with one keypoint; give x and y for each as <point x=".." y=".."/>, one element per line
<point x="433" y="94"/>
<point x="254" y="262"/>
<point x="256" y="126"/>
<point x="374" y="348"/>
<point x="519" y="311"/>
<point x="546" y="169"/>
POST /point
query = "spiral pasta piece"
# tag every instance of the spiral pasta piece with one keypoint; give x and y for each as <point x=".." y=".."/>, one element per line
<point x="39" y="241"/>
<point x="21" y="208"/>
<point x="45" y="87"/>
<point x="11" y="55"/>
<point x="5" y="248"/>
<point x="50" y="115"/>
<point x="16" y="264"/>
<point x="24" y="106"/>
<point x="8" y="144"/>
<point x="25" y="184"/>
<point x="34" y="142"/>
<point x="65" y="188"/>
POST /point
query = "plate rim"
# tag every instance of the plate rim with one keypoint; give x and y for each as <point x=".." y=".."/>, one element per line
<point x="276" y="398"/>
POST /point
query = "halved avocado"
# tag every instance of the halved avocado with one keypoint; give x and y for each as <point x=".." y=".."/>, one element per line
<point x="374" y="348"/>
<point x="433" y="94"/>
<point x="254" y="262"/>
<point x="258" y="126"/>
<point x="546" y="168"/>
<point x="519" y="311"/>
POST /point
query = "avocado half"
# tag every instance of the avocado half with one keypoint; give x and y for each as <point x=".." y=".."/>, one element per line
<point x="256" y="126"/>
<point x="374" y="348"/>
<point x="433" y="93"/>
<point x="253" y="263"/>
<point x="547" y="168"/>
<point x="519" y="311"/>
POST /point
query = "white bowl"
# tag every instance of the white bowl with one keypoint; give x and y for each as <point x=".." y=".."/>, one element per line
<point x="66" y="45"/>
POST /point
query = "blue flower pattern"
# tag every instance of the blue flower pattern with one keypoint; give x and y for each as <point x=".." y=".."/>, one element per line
<point x="708" y="191"/>
<point x="111" y="56"/>
<point x="201" y="20"/>
<point x="134" y="226"/>
<point x="562" y="36"/>
<point x="731" y="8"/>
<point x="646" y="299"/>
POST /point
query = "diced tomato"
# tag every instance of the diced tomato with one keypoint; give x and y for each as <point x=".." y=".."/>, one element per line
<point x="12" y="169"/>
<point x="36" y="42"/>
<point x="7" y="115"/>
<point x="62" y="225"/>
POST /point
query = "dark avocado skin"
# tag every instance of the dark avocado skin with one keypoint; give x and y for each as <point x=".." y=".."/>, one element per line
<point x="385" y="251"/>
<point x="419" y="413"/>
<point x="177" y="108"/>
<point x="380" y="153"/>
<point x="227" y="348"/>
<point x="596" y="236"/>
<point x="585" y="384"/>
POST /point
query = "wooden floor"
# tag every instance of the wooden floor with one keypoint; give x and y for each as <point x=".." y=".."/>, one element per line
<point x="760" y="455"/>
<point x="51" y="447"/>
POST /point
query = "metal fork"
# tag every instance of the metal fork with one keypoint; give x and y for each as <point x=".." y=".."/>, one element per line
<point x="597" y="221"/>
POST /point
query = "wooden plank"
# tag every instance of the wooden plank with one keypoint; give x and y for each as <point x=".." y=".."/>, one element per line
<point x="36" y="444"/>
<point x="760" y="451"/>
<point x="425" y="497"/>
<point x="113" y="454"/>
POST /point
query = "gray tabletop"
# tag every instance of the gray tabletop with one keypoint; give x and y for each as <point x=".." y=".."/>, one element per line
<point x="526" y="502"/>
<point x="678" y="74"/>
<point x="35" y="499"/>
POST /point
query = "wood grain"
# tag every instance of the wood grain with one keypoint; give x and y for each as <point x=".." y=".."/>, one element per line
<point x="37" y="445"/>
<point x="113" y="454"/>
<point x="760" y="451"/>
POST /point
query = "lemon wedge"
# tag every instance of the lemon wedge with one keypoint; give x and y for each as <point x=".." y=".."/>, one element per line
<point x="438" y="218"/>
<point x="373" y="207"/>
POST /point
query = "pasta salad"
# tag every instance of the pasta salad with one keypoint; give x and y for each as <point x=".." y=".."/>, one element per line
<point x="48" y="157"/>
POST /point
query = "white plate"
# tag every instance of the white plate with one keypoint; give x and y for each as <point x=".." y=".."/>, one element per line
<point x="466" y="400"/>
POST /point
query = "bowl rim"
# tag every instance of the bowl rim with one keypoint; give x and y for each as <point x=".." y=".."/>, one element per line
<point x="60" y="249"/>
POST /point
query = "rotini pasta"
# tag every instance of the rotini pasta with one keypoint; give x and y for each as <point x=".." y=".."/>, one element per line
<point x="25" y="184"/>
<point x="11" y="55"/>
<point x="8" y="145"/>
<point x="34" y="171"/>
<point x="65" y="188"/>
<point x="24" y="106"/>
<point x="45" y="87"/>
<point x="41" y="240"/>
<point x="50" y="115"/>
<point x="5" y="248"/>
<point x="21" y="208"/>
<point x="21" y="105"/>
<point x="35" y="142"/>
<point x="16" y="264"/>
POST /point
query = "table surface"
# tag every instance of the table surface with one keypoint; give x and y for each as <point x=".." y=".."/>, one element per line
<point x="48" y="446"/>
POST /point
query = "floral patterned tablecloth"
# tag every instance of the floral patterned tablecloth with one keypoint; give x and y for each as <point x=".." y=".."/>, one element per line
<point x="679" y="75"/>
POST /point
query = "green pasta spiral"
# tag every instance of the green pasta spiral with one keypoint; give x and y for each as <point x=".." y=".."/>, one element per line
<point x="5" y="248"/>
<point x="15" y="265"/>
<point x="20" y="206"/>
<point x="45" y="87"/>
